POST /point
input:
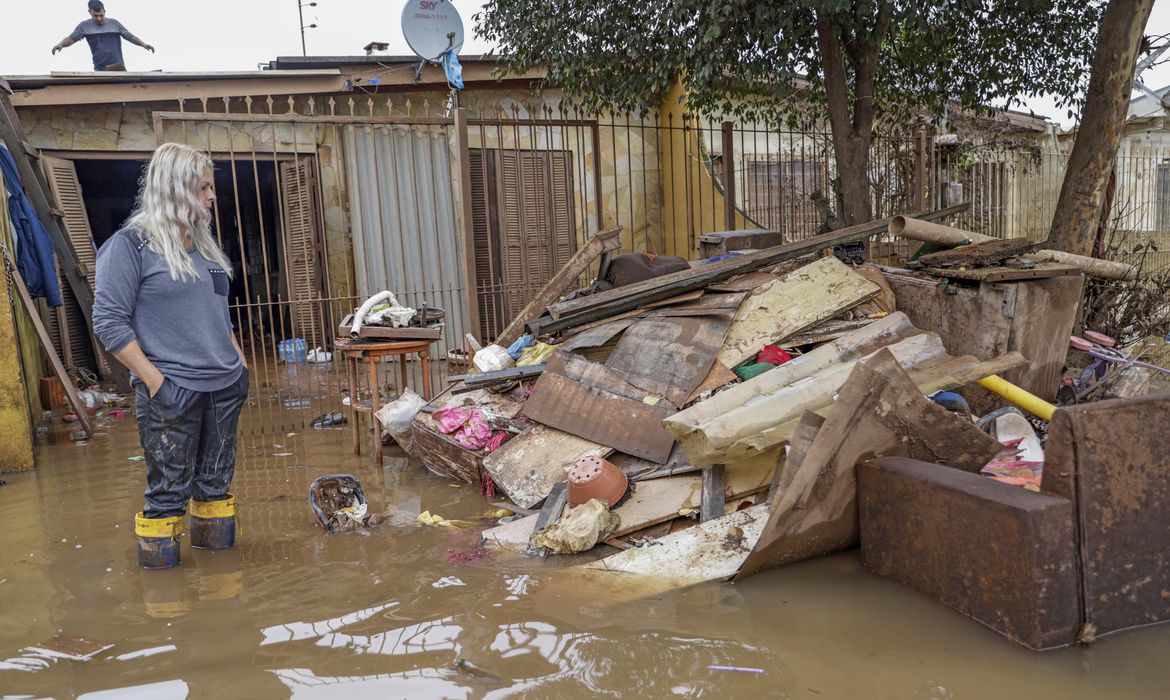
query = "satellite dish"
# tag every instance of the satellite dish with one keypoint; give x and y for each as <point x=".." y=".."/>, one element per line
<point x="431" y="27"/>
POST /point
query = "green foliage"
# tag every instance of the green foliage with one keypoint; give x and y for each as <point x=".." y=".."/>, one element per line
<point x="746" y="57"/>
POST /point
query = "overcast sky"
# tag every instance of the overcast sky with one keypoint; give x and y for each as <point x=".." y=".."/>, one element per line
<point x="209" y="35"/>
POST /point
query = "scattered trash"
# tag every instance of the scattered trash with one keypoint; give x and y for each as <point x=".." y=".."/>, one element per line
<point x="741" y="669"/>
<point x="492" y="358"/>
<point x="580" y="530"/>
<point x="330" y="419"/>
<point x="339" y="504"/>
<point x="318" y="355"/>
<point x="518" y="347"/>
<point x="426" y="518"/>
<point x="136" y="458"/>
<point x="282" y="454"/>
<point x="535" y="355"/>
<point x="396" y="416"/>
<point x="73" y="648"/>
<point x="447" y="582"/>
<point x="292" y="351"/>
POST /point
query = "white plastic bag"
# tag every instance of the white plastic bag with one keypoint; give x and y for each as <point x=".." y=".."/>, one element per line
<point x="492" y="358"/>
<point x="397" y="415"/>
<point x="318" y="355"/>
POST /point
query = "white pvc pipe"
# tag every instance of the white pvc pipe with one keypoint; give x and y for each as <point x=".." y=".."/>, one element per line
<point x="360" y="314"/>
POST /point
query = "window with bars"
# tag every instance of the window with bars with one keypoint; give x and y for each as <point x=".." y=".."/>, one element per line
<point x="778" y="195"/>
<point x="522" y="224"/>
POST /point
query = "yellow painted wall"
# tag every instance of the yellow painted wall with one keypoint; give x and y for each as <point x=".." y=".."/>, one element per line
<point x="692" y="201"/>
<point x="15" y="430"/>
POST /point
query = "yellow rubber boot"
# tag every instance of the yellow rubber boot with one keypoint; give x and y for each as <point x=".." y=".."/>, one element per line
<point x="213" y="523"/>
<point x="158" y="541"/>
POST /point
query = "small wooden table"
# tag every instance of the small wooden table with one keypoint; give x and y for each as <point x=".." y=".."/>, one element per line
<point x="372" y="354"/>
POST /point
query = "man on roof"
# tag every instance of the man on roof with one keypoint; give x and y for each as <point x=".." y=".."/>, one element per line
<point x="104" y="35"/>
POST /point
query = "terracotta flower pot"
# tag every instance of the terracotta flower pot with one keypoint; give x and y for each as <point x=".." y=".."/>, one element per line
<point x="594" y="477"/>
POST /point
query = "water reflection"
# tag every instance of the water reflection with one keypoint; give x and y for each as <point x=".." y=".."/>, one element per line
<point x="409" y="611"/>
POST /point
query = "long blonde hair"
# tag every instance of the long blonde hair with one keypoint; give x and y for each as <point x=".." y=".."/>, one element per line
<point x="169" y="209"/>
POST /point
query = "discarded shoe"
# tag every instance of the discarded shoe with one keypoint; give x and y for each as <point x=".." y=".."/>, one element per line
<point x="329" y="419"/>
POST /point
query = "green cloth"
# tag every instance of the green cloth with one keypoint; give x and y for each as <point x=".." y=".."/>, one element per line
<point x="748" y="371"/>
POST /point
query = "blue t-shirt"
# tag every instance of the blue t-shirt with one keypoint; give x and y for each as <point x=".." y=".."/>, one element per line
<point x="105" y="41"/>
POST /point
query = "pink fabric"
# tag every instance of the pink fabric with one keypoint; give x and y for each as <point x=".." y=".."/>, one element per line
<point x="474" y="434"/>
<point x="451" y="419"/>
<point x="498" y="439"/>
<point x="471" y="431"/>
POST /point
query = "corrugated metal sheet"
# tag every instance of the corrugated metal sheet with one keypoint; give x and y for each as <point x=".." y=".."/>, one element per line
<point x="405" y="225"/>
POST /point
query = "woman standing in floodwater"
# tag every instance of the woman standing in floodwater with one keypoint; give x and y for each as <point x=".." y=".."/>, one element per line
<point x="161" y="308"/>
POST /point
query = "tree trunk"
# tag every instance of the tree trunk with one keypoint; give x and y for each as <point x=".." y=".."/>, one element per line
<point x="1074" y="226"/>
<point x="851" y="115"/>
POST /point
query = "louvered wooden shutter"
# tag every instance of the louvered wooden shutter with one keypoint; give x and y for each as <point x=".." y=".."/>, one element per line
<point x="487" y="277"/>
<point x="71" y="330"/>
<point x="522" y="220"/>
<point x="303" y="248"/>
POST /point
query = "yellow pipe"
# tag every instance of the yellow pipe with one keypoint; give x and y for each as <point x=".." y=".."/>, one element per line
<point x="1024" y="399"/>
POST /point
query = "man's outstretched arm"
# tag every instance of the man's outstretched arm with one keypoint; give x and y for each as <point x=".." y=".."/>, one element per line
<point x="67" y="41"/>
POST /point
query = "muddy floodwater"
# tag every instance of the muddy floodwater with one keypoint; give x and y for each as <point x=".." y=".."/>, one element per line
<point x="412" y="611"/>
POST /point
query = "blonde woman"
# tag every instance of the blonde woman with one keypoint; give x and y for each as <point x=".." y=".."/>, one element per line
<point x="161" y="308"/>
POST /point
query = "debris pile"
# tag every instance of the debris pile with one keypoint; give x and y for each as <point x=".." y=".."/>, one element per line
<point x="737" y="398"/>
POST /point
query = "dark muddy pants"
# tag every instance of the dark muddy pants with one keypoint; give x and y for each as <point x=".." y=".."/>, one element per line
<point x="189" y="441"/>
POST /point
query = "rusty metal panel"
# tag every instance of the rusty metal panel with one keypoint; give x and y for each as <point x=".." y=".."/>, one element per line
<point x="1111" y="458"/>
<point x="999" y="554"/>
<point x="600" y="404"/>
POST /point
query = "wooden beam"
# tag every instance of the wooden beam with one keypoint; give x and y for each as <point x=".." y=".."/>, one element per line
<point x="554" y="506"/>
<point x="9" y="270"/>
<point x="131" y="92"/>
<point x="577" y="312"/>
<point x="598" y="244"/>
<point x="714" y="501"/>
<point x="728" y="175"/>
<point x="466" y="219"/>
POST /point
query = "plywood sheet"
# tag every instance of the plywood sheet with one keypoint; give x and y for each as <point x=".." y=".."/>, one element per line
<point x="528" y="465"/>
<point x="674" y="354"/>
<point x="799" y="300"/>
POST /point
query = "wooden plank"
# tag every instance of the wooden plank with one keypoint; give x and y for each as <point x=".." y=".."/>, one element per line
<point x="879" y="411"/>
<point x="528" y="465"/>
<point x="718" y="376"/>
<point x="744" y="283"/>
<point x="674" y="353"/>
<point x="603" y="417"/>
<point x="47" y="344"/>
<point x="653" y="502"/>
<point x="711" y="551"/>
<point x="604" y="304"/>
<point x="1003" y="273"/>
<point x="793" y="303"/>
<point x="713" y="492"/>
<point x="979" y="254"/>
<point x="597" y="244"/>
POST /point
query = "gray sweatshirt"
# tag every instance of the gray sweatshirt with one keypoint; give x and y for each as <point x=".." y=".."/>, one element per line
<point x="183" y="327"/>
